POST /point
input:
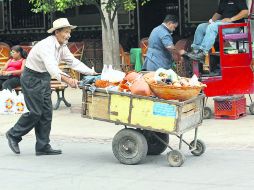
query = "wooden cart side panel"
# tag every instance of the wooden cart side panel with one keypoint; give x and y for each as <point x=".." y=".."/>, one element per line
<point x="189" y="122"/>
<point x="142" y="112"/>
<point x="191" y="116"/>
<point x="97" y="106"/>
<point x="119" y="108"/>
<point x="153" y="115"/>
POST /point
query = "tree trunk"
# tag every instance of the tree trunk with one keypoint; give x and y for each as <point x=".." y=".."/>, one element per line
<point x="110" y="40"/>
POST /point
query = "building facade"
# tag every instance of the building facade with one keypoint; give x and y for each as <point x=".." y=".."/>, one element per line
<point x="18" y="24"/>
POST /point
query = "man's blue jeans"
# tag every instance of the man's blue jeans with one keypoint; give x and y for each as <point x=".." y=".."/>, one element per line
<point x="206" y="34"/>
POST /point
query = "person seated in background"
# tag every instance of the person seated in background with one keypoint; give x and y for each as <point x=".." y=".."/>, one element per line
<point x="161" y="51"/>
<point x="229" y="11"/>
<point x="10" y="74"/>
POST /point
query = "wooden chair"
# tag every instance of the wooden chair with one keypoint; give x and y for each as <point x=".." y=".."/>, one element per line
<point x="121" y="54"/>
<point x="125" y="60"/>
<point x="77" y="49"/>
<point x="5" y="44"/>
<point x="184" y="68"/>
<point x="4" y="53"/>
<point x="143" y="44"/>
<point x="26" y="48"/>
<point x="58" y="87"/>
<point x="2" y="64"/>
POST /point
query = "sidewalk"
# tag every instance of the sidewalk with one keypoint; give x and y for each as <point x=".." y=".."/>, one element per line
<point x="69" y="125"/>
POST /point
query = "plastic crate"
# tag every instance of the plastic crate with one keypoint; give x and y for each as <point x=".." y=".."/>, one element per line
<point x="229" y="107"/>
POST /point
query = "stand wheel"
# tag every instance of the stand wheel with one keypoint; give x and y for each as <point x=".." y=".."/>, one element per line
<point x="175" y="158"/>
<point x="251" y="108"/>
<point x="207" y="113"/>
<point x="200" y="148"/>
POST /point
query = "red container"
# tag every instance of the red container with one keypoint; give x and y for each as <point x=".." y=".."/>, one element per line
<point x="229" y="107"/>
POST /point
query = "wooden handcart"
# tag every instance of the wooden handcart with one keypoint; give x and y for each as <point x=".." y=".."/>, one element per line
<point x="148" y="122"/>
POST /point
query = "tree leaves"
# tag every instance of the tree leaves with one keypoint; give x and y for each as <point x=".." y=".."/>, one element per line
<point x="47" y="6"/>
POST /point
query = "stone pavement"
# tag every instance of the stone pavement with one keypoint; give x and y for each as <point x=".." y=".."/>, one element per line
<point x="88" y="163"/>
<point x="68" y="124"/>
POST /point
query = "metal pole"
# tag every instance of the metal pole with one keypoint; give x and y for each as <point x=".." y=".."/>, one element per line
<point x="138" y="21"/>
<point x="180" y="17"/>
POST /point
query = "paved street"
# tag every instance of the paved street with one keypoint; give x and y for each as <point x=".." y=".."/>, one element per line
<point x="87" y="161"/>
<point x="91" y="165"/>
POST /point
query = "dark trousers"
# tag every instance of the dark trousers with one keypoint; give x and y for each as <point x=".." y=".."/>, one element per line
<point x="10" y="83"/>
<point x="37" y="94"/>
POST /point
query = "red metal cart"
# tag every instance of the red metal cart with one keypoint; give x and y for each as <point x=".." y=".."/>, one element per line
<point x="230" y="73"/>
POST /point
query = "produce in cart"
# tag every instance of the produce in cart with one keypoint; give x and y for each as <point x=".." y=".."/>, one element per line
<point x="165" y="84"/>
<point x="168" y="85"/>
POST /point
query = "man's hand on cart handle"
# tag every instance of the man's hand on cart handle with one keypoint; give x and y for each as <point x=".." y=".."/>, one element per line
<point x="73" y="83"/>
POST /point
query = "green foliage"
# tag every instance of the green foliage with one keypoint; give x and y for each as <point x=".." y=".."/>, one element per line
<point x="47" y="6"/>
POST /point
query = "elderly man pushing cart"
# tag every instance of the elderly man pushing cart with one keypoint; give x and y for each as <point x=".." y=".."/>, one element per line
<point x="42" y="64"/>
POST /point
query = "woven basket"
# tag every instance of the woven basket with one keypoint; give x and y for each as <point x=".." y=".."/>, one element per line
<point x="170" y="92"/>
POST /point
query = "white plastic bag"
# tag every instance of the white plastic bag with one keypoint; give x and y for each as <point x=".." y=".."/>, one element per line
<point x="165" y="74"/>
<point x="20" y="105"/>
<point x="7" y="102"/>
<point x="194" y="81"/>
<point x="111" y="75"/>
<point x="104" y="72"/>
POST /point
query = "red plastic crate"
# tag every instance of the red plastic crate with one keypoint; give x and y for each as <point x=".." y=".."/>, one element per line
<point x="229" y="107"/>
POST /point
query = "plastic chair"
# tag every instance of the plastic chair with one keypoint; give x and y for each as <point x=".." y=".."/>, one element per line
<point x="136" y="58"/>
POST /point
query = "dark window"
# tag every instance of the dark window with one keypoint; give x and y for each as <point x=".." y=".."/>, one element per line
<point x="201" y="10"/>
<point x="1" y="15"/>
<point x="23" y="18"/>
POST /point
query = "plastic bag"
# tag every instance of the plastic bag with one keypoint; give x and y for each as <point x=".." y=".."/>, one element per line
<point x="140" y="87"/>
<point x="7" y="102"/>
<point x="20" y="105"/>
<point x="161" y="74"/>
<point x="130" y="77"/>
<point x="194" y="81"/>
<point x="149" y="77"/>
<point x="111" y="75"/>
<point x="137" y="84"/>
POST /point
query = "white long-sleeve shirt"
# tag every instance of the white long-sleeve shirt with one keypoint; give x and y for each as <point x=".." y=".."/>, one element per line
<point x="46" y="55"/>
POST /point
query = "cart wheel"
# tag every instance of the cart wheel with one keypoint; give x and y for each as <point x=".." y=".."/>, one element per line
<point x="156" y="147"/>
<point x="200" y="147"/>
<point x="251" y="108"/>
<point x="207" y="113"/>
<point x="129" y="146"/>
<point x="175" y="158"/>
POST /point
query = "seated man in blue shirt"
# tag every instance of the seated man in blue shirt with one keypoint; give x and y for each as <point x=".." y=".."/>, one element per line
<point x="161" y="51"/>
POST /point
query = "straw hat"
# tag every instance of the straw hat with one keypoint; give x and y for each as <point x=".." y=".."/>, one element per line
<point x="60" y="23"/>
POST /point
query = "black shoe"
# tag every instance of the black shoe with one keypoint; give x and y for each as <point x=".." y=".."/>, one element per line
<point x="48" y="151"/>
<point x="196" y="56"/>
<point x="14" y="146"/>
<point x="187" y="55"/>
